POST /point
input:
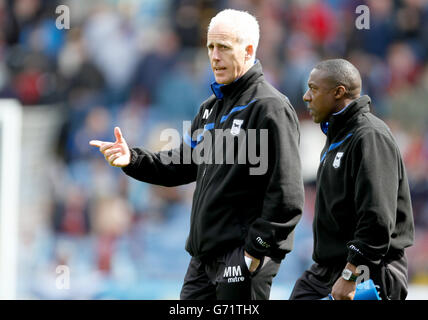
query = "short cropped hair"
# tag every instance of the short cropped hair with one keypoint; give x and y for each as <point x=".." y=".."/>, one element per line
<point x="341" y="72"/>
<point x="242" y="24"/>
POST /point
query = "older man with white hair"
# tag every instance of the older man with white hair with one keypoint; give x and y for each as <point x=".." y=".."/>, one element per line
<point x="243" y="215"/>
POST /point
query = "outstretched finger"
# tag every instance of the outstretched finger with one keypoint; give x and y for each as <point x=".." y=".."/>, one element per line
<point x="96" y="143"/>
<point x="118" y="134"/>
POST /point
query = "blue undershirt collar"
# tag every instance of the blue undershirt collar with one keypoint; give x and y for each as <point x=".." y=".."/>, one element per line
<point x="324" y="125"/>
<point x="216" y="87"/>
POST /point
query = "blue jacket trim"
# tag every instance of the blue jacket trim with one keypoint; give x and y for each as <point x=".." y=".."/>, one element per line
<point x="188" y="140"/>
<point x="235" y="109"/>
<point x="334" y="146"/>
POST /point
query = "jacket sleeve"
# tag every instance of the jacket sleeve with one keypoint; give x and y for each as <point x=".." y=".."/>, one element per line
<point x="376" y="175"/>
<point x="166" y="168"/>
<point x="272" y="233"/>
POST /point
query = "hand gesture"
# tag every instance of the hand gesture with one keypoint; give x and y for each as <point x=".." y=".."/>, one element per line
<point x="116" y="153"/>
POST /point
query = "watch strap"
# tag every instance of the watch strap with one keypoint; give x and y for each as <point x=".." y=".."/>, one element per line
<point x="352" y="277"/>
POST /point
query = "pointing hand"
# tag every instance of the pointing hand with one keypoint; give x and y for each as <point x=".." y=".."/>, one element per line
<point x="116" y="153"/>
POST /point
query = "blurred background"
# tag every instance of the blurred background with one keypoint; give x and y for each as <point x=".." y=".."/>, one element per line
<point x="142" y="65"/>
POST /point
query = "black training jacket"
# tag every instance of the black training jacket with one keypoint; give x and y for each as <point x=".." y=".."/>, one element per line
<point x="237" y="200"/>
<point x="363" y="211"/>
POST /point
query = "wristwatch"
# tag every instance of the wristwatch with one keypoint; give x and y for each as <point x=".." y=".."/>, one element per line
<point x="348" y="275"/>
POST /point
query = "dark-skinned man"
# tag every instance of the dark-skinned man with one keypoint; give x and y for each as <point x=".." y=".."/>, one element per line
<point x="363" y="215"/>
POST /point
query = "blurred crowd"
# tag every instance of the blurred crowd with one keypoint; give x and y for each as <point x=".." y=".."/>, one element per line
<point x="143" y="66"/>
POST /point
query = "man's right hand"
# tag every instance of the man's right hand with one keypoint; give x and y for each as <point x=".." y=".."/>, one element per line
<point x="116" y="153"/>
<point x="254" y="262"/>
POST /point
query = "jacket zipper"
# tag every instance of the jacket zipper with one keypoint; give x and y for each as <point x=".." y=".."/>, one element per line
<point x="201" y="185"/>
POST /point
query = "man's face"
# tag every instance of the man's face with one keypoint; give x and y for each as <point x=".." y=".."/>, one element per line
<point x="227" y="55"/>
<point x="320" y="96"/>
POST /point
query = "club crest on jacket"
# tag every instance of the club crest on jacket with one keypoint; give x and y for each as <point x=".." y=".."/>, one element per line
<point x="336" y="162"/>
<point x="236" y="126"/>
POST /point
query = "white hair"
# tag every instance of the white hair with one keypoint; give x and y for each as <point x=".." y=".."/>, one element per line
<point x="242" y="24"/>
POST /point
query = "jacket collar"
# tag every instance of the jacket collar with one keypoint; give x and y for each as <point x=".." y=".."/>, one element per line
<point x="337" y="121"/>
<point x="221" y="90"/>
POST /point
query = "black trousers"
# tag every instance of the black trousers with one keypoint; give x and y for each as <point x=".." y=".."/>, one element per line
<point x="389" y="277"/>
<point x="227" y="277"/>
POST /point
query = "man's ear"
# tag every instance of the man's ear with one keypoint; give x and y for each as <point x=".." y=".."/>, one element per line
<point x="339" y="92"/>
<point x="249" y="52"/>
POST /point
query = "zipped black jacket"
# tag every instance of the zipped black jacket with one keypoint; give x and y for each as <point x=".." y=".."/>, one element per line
<point x="237" y="201"/>
<point x="363" y="212"/>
